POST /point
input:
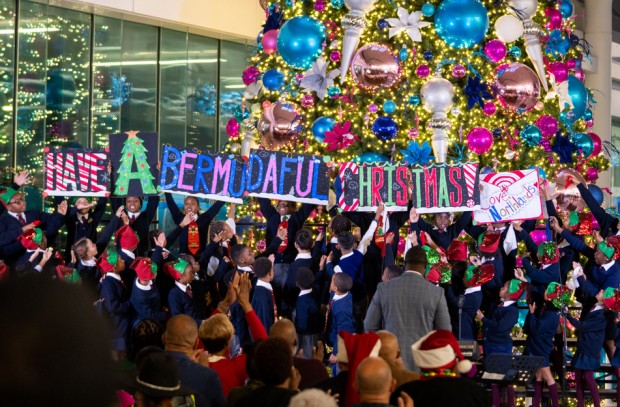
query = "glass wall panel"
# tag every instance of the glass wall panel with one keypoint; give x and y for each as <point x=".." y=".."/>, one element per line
<point x="173" y="87"/>
<point x="203" y="87"/>
<point x="7" y="68"/>
<point x="233" y="60"/>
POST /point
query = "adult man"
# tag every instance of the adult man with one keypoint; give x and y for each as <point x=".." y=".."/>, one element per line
<point x="408" y="306"/>
<point x="181" y="340"/>
<point x="375" y="384"/>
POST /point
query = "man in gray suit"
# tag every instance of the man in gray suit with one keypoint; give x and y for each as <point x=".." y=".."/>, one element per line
<point x="408" y="306"/>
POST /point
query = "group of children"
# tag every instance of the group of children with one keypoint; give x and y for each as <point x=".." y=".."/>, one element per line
<point x="323" y="281"/>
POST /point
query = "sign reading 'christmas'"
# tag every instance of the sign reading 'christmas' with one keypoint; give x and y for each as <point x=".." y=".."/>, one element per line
<point x="508" y="196"/>
<point x="291" y="177"/>
<point x="446" y="188"/>
<point x="364" y="187"/>
<point x="134" y="164"/>
<point x="76" y="172"/>
<point x="202" y="173"/>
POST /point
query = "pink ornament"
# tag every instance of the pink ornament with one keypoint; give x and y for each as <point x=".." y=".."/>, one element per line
<point x="266" y="104"/>
<point x="579" y="74"/>
<point x="331" y="29"/>
<point x="589" y="123"/>
<point x="422" y="71"/>
<point x="261" y="246"/>
<point x="307" y="101"/>
<point x="591" y="174"/>
<point x="319" y="6"/>
<point x="559" y="71"/>
<point x="232" y="128"/>
<point x="458" y="71"/>
<point x="489" y="108"/>
<point x="270" y="41"/>
<point x="554" y="18"/>
<point x="373" y="108"/>
<point x="495" y="50"/>
<point x="250" y="74"/>
<point x="538" y="236"/>
<point x="596" y="141"/>
<point x="335" y="56"/>
<point x="413" y="133"/>
<point x="571" y="64"/>
<point x="479" y="140"/>
<point x="298" y="78"/>
<point x="548" y="125"/>
<point x="400" y="249"/>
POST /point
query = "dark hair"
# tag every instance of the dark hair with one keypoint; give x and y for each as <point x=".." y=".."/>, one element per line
<point x="394" y="271"/>
<point x="153" y="235"/>
<point x="216" y="228"/>
<point x="235" y="252"/>
<point x="250" y="350"/>
<point x="188" y="258"/>
<point x="273" y="360"/>
<point x="305" y="278"/>
<point x="343" y="282"/>
<point x="194" y="198"/>
<point x="146" y="333"/>
<point x="303" y="238"/>
<point x="458" y="273"/>
<point x="262" y="267"/>
<point x="340" y="224"/>
<point x="346" y="240"/>
<point x="416" y="258"/>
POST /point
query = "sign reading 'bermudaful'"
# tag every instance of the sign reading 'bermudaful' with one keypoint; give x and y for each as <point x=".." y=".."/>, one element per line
<point x="446" y="188"/>
<point x="76" y="172"/>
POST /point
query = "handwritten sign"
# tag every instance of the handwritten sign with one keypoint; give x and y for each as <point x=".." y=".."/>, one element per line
<point x="508" y="196"/>
<point x="134" y="163"/>
<point x="76" y="172"/>
<point x="446" y="188"/>
<point x="364" y="187"/>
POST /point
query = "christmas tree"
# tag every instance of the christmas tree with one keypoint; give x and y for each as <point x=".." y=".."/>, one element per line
<point x="496" y="82"/>
<point x="134" y="150"/>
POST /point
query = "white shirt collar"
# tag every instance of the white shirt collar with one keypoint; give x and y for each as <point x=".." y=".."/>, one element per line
<point x="472" y="290"/>
<point x="245" y="268"/>
<point x="113" y="275"/>
<point x="146" y="287"/>
<point x="128" y="253"/>
<point x="508" y="303"/>
<point x="597" y="307"/>
<point x="334" y="240"/>
<point x="16" y="215"/>
<point x="344" y="256"/>
<point x="304" y="292"/>
<point x="79" y="216"/>
<point x="261" y="283"/>
<point x="546" y="265"/>
<point x="339" y="296"/>
<point x="283" y="216"/>
<point x="303" y="256"/>
<point x="130" y="214"/>
<point x="183" y="287"/>
<point x="606" y="266"/>
<point x="89" y="263"/>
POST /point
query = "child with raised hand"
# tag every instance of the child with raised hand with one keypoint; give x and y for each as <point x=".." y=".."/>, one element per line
<point x="181" y="296"/>
<point x="145" y="296"/>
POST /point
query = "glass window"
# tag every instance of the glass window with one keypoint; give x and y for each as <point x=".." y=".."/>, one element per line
<point x="173" y="87"/>
<point x="7" y="76"/>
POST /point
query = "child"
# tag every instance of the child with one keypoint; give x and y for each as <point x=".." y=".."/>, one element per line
<point x="127" y="242"/>
<point x="613" y="303"/>
<point x="303" y="244"/>
<point x="37" y="254"/>
<point x="181" y="297"/>
<point x="441" y="231"/>
<point x="263" y="301"/>
<point x="473" y="279"/>
<point x="549" y="258"/>
<point x="145" y="296"/>
<point x="139" y="220"/>
<point x="115" y="300"/>
<point x="590" y="339"/>
<point x="307" y="314"/>
<point x="540" y="327"/>
<point x="339" y="316"/>
<point x="82" y="220"/>
<point x="497" y="329"/>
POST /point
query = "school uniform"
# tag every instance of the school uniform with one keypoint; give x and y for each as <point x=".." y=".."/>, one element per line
<point x="541" y="277"/>
<point x="116" y="303"/>
<point x="237" y="315"/>
<point x="180" y="302"/>
<point x="608" y="224"/>
<point x="79" y="226"/>
<point x="615" y="361"/>
<point x="443" y="238"/>
<point x="140" y="221"/>
<point x="291" y="291"/>
<point x="145" y="301"/>
<point x="497" y="328"/>
<point x="307" y="319"/>
<point x="264" y="304"/>
<point x="540" y="329"/>
<point x="590" y="339"/>
<point x="89" y="274"/>
<point x="353" y="265"/>
<point x="339" y="317"/>
<point x="472" y="299"/>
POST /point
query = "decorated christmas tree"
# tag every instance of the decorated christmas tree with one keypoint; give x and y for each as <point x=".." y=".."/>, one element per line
<point x="491" y="81"/>
<point x="134" y="150"/>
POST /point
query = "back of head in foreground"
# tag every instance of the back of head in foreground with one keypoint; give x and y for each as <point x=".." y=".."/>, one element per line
<point x="54" y="348"/>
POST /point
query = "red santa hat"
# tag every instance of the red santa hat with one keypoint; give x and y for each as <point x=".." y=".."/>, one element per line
<point x="489" y="241"/>
<point x="352" y="349"/>
<point x="127" y="238"/>
<point x="439" y="350"/>
<point x="145" y="269"/>
<point x="457" y="251"/>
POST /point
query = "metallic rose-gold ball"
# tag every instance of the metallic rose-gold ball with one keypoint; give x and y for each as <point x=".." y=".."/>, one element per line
<point x="280" y="124"/>
<point x="375" y="66"/>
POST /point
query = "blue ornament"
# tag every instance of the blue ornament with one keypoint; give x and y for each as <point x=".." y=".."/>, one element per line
<point x="385" y="128"/>
<point x="461" y="23"/>
<point x="597" y="193"/>
<point x="382" y="24"/>
<point x="584" y="142"/>
<point x="337" y="4"/>
<point x="566" y="8"/>
<point x="389" y="106"/>
<point x="497" y="133"/>
<point x="587" y="115"/>
<point x="414" y="100"/>
<point x="370" y="157"/>
<point x="333" y="92"/>
<point x="241" y="114"/>
<point x="428" y="10"/>
<point x="578" y="95"/>
<point x="300" y="41"/>
<point x="486" y="170"/>
<point x="273" y="79"/>
<point x="531" y="135"/>
<point x="577" y="63"/>
<point x="541" y="173"/>
<point x="320" y="126"/>
<point x="515" y="51"/>
<point x="403" y="54"/>
<point x="428" y="55"/>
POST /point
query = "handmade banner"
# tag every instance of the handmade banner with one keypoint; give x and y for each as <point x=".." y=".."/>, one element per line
<point x="204" y="174"/>
<point x="364" y="187"/>
<point x="76" y="172"/>
<point x="134" y="163"/>
<point x="291" y="177"/>
<point x="508" y="196"/>
<point x="446" y="188"/>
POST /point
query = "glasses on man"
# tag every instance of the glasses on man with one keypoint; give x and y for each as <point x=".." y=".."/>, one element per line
<point x="16" y="202"/>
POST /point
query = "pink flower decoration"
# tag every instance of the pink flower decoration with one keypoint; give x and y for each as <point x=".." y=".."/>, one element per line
<point x="340" y="137"/>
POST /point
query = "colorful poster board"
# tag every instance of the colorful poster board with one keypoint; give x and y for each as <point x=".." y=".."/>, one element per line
<point x="446" y="188"/>
<point x="134" y="158"/>
<point x="76" y="172"/>
<point x="508" y="196"/>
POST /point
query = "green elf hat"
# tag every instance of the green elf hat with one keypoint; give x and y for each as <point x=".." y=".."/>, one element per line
<point x="177" y="268"/>
<point x="611" y="299"/>
<point x="108" y="260"/>
<point x="6" y="196"/>
<point x="432" y="256"/>
<point x="68" y="274"/>
<point x="548" y="252"/>
<point x="607" y="250"/>
<point x="557" y="294"/>
<point x="145" y="269"/>
<point x="515" y="289"/>
<point x="573" y="219"/>
<point x="476" y="276"/>
<point x="31" y="239"/>
<point x="439" y="273"/>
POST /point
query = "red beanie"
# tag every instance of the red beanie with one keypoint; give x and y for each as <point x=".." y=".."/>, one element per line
<point x="457" y="251"/>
